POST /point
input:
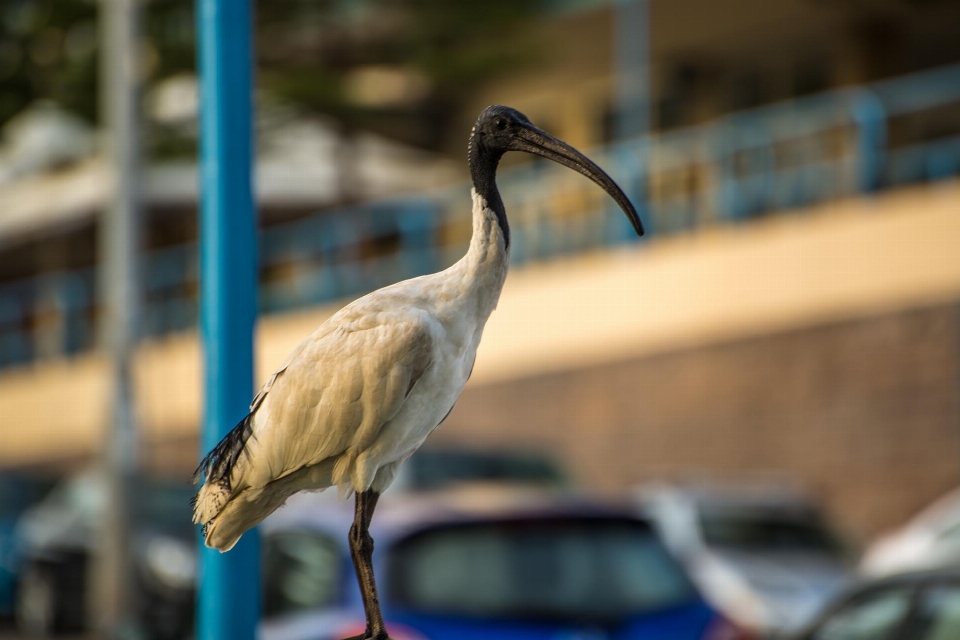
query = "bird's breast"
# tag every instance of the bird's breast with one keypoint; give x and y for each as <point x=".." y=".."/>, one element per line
<point x="430" y="401"/>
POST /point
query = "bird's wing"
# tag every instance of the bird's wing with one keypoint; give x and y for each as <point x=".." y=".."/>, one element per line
<point x="334" y="394"/>
<point x="265" y="389"/>
<point x="219" y="463"/>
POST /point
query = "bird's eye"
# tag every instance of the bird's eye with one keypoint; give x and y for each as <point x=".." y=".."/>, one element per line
<point x="501" y="124"/>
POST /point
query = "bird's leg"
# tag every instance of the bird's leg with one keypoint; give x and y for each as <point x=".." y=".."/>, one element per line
<point x="361" y="550"/>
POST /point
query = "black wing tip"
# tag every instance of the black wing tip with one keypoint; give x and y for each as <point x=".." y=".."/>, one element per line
<point x="219" y="463"/>
<point x="201" y="468"/>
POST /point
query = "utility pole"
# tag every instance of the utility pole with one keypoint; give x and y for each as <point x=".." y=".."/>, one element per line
<point x="228" y="602"/>
<point x="631" y="26"/>
<point x="120" y="291"/>
<point x="631" y="101"/>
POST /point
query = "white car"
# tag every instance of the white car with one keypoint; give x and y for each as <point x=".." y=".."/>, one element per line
<point x="763" y="556"/>
<point x="930" y="540"/>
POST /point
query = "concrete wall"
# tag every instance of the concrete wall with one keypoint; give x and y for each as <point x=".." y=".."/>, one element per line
<point x="864" y="413"/>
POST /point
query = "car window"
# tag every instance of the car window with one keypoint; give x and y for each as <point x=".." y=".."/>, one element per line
<point x="938" y="614"/>
<point x="876" y="615"/>
<point x="301" y="570"/>
<point x="571" y="569"/>
<point x="435" y="469"/>
<point x="766" y="532"/>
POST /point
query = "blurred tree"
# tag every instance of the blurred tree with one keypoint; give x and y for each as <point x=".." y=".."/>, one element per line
<point x="398" y="67"/>
<point x="48" y="51"/>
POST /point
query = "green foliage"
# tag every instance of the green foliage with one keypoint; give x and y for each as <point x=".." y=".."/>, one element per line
<point x="307" y="50"/>
<point x="48" y="50"/>
<point x="306" y="53"/>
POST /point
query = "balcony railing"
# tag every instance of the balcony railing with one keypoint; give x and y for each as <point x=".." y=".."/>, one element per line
<point x="749" y="164"/>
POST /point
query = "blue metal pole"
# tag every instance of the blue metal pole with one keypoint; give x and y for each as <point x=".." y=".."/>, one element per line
<point x="229" y="584"/>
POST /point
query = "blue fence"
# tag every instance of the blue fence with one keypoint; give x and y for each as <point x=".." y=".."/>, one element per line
<point x="753" y="163"/>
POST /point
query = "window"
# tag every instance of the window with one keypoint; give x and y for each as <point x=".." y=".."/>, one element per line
<point x="767" y="532"/>
<point x="301" y="570"/>
<point x="811" y="76"/>
<point x="876" y="615"/>
<point x="583" y="570"/>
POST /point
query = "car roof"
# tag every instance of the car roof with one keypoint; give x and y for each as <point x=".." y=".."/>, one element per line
<point x="761" y="498"/>
<point x="406" y="513"/>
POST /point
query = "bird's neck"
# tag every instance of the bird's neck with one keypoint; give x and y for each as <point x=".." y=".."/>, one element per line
<point x="483" y="270"/>
<point x="483" y="171"/>
<point x="478" y="278"/>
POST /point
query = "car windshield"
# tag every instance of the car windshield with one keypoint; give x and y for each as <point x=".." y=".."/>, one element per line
<point x="584" y="570"/>
<point x="767" y="532"/>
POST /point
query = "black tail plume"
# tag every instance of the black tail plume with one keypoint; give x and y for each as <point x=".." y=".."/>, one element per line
<point x="218" y="464"/>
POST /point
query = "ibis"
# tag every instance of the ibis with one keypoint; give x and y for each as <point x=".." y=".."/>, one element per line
<point x="361" y="393"/>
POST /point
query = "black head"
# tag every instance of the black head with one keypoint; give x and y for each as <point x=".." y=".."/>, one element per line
<point x="496" y="128"/>
<point x="500" y="129"/>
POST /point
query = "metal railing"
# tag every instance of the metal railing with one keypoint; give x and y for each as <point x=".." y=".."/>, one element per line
<point x="752" y="163"/>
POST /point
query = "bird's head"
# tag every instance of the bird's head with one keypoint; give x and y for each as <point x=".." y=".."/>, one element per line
<point x="500" y="129"/>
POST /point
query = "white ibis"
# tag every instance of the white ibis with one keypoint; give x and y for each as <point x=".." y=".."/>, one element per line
<point x="362" y="392"/>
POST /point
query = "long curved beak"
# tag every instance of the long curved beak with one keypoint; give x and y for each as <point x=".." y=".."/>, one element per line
<point x="533" y="140"/>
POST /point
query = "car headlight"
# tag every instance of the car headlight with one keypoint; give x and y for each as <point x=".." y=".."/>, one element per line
<point x="172" y="562"/>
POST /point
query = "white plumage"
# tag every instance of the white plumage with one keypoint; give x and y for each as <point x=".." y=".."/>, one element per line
<point x="363" y="391"/>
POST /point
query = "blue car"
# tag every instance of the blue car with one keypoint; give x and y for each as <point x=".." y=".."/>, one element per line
<point x="482" y="565"/>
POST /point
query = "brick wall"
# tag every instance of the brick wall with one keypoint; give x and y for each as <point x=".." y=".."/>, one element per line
<point x="864" y="413"/>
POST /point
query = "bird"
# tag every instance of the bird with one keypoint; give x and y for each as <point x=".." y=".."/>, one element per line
<point x="362" y="392"/>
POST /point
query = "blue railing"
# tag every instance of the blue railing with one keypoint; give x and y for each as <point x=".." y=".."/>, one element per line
<point x="748" y="164"/>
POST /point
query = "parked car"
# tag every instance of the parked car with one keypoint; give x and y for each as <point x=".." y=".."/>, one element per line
<point x="61" y="536"/>
<point x="483" y="563"/>
<point x="442" y="467"/>
<point x="18" y="491"/>
<point x="764" y="556"/>
<point x="929" y="540"/>
<point x="914" y="606"/>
